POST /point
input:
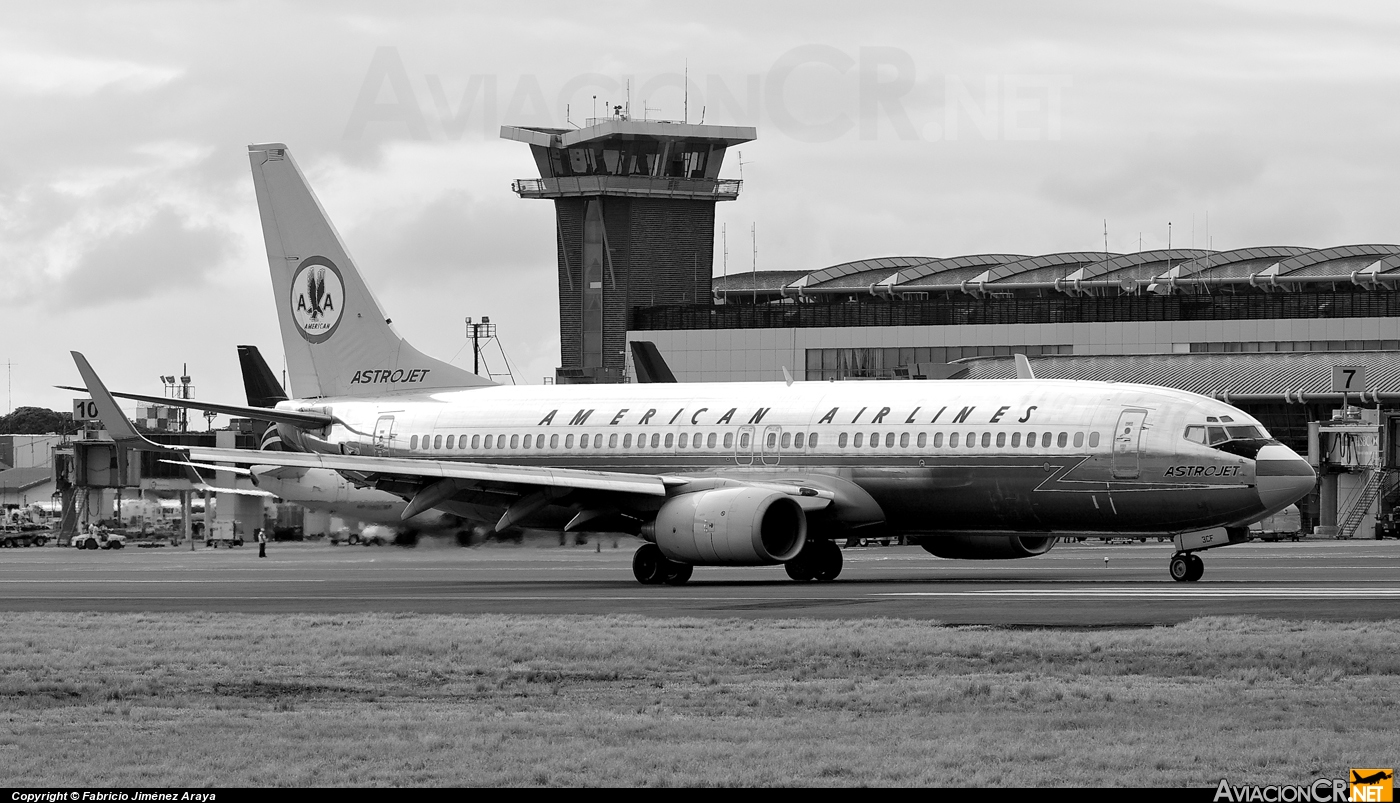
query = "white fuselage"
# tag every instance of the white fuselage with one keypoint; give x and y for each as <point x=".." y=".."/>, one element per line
<point x="1005" y="455"/>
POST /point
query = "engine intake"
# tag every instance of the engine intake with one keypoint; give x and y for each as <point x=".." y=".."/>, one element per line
<point x="987" y="547"/>
<point x="741" y="526"/>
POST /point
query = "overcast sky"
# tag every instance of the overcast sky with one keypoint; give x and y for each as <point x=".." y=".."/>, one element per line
<point x="128" y="228"/>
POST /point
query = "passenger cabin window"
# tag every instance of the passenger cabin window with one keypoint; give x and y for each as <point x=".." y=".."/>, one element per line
<point x="685" y="438"/>
<point x="841" y="440"/>
<point x="923" y="440"/>
<point x="490" y="439"/>
<point x="938" y="440"/>
<point x="476" y="441"/>
<point x="669" y="439"/>
<point x="812" y="441"/>
<point x="437" y="442"/>
<point x="515" y="441"/>
<point x="874" y="440"/>
<point x="953" y="440"/>
<point x="1015" y="439"/>
<point x="858" y="440"/>
<point x="656" y="440"/>
<point x="413" y="442"/>
<point x="612" y="441"/>
<point x="1030" y="440"/>
<point x="986" y="439"/>
<point x="799" y="439"/>
<point x="554" y="441"/>
<point x="568" y="441"/>
<point x="1093" y="439"/>
<point x="450" y="439"/>
<point x="1001" y="439"/>
<point x="1062" y="440"/>
<point x="729" y="440"/>
<point x="772" y="440"/>
<point x="787" y="439"/>
<point x="744" y="441"/>
<point x="903" y="440"/>
<point x="627" y="441"/>
<point x="710" y="442"/>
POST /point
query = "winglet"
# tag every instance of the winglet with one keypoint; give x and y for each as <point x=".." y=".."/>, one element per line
<point x="1023" y="368"/>
<point x="112" y="417"/>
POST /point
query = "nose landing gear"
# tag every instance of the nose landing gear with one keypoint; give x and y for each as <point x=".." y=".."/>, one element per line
<point x="1186" y="567"/>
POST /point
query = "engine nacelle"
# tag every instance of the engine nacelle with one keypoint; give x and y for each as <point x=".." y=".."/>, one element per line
<point x="741" y="526"/>
<point x="987" y="547"/>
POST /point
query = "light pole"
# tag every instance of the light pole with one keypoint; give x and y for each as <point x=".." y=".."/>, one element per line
<point x="479" y="332"/>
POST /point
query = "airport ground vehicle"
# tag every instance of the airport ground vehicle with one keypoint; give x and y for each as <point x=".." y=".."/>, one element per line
<point x="98" y="538"/>
<point x="15" y="537"/>
<point x="223" y="532"/>
<point x="1287" y="523"/>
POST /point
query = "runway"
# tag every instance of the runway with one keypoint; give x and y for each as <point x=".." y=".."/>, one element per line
<point x="1075" y="585"/>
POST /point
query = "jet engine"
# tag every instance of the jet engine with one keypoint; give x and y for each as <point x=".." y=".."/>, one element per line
<point x="742" y="526"/>
<point x="966" y="546"/>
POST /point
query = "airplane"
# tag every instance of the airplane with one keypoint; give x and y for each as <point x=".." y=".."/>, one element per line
<point x="753" y="473"/>
<point x="1373" y="778"/>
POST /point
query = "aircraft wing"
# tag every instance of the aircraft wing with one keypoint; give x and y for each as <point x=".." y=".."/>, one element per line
<point x="616" y="481"/>
<point x="294" y="417"/>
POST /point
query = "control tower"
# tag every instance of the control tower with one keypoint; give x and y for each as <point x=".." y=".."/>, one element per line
<point x="634" y="202"/>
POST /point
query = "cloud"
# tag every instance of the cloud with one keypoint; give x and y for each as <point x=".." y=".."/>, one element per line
<point x="155" y="257"/>
<point x="1160" y="174"/>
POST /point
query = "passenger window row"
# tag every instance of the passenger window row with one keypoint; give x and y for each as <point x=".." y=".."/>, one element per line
<point x="788" y="440"/>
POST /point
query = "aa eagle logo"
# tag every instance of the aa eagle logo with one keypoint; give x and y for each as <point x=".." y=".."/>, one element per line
<point x="317" y="297"/>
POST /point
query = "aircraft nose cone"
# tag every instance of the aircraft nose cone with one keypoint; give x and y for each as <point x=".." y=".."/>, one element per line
<point x="1282" y="477"/>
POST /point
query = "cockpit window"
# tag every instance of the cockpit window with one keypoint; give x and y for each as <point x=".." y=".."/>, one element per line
<point x="1216" y="435"/>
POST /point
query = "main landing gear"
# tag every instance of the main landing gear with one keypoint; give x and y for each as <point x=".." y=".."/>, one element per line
<point x="1186" y="567"/>
<point x="650" y="567"/>
<point x="818" y="561"/>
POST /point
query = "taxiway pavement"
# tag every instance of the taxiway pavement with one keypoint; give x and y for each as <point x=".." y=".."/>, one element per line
<point x="1075" y="585"/>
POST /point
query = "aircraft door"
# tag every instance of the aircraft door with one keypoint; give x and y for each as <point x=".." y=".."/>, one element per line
<point x="383" y="435"/>
<point x="772" y="437"/>
<point x="1127" y="438"/>
<point x="743" y="447"/>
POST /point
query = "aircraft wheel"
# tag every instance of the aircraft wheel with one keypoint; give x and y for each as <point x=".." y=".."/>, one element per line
<point x="1198" y="568"/>
<point x="1180" y="567"/>
<point x="828" y="562"/>
<point x="800" y="568"/>
<point x="649" y="565"/>
<point x="677" y="574"/>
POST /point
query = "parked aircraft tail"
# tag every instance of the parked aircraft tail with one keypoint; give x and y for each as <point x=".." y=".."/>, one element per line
<point x="337" y="339"/>
<point x="259" y="383"/>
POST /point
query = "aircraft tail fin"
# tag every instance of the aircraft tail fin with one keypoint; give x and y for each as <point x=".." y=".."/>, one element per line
<point x="337" y="340"/>
<point x="259" y="383"/>
<point x="1023" y="368"/>
<point x="650" y="365"/>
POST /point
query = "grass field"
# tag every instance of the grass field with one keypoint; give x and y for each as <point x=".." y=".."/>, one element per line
<point x="376" y="699"/>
